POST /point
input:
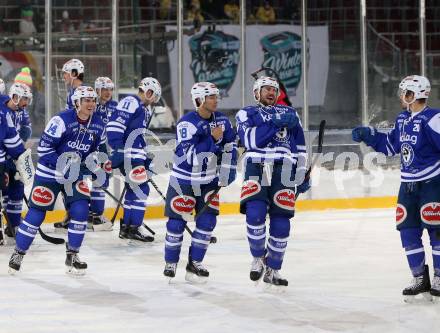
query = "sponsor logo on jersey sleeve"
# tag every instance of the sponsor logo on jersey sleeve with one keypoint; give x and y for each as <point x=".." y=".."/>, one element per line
<point x="285" y="199"/>
<point x="401" y="213"/>
<point x="215" y="200"/>
<point x="83" y="187"/>
<point x="183" y="204"/>
<point x="249" y="188"/>
<point x="430" y="213"/>
<point x="42" y="196"/>
<point x="138" y="175"/>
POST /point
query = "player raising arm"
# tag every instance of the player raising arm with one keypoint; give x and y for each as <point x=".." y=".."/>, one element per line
<point x="416" y="136"/>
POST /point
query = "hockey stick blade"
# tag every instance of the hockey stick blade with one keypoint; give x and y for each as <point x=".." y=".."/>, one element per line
<point x="47" y="238"/>
<point x="50" y="239"/>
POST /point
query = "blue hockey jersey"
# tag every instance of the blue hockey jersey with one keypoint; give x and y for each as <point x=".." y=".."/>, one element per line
<point x="64" y="134"/>
<point x="21" y="120"/>
<point x="10" y="142"/>
<point x="195" y="145"/>
<point x="266" y="142"/>
<point x="127" y="126"/>
<point x="105" y="110"/>
<point x="417" y="138"/>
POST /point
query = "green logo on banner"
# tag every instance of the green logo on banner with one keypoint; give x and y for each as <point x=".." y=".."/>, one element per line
<point x="214" y="58"/>
<point x="282" y="53"/>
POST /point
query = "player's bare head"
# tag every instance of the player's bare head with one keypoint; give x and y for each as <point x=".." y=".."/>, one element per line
<point x="150" y="90"/>
<point x="205" y="96"/>
<point x="20" y="95"/>
<point x="413" y="89"/>
<point x="84" y="100"/>
<point x="73" y="70"/>
<point x="266" y="90"/>
<point x="104" y="88"/>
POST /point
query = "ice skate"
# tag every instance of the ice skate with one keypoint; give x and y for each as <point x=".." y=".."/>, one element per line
<point x="170" y="270"/>
<point x="272" y="277"/>
<point x="99" y="223"/>
<point x="61" y="227"/>
<point x="420" y="285"/>
<point x="123" y="230"/>
<point x="15" y="261"/>
<point x="74" y="266"/>
<point x="196" y="272"/>
<point x="134" y="233"/>
<point x="257" y="269"/>
<point x="435" y="289"/>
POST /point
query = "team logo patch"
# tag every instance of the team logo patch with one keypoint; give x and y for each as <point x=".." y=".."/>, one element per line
<point x="215" y="201"/>
<point x="42" y="196"/>
<point x="431" y="213"/>
<point x="83" y="188"/>
<point x="285" y="199"/>
<point x="138" y="175"/>
<point x="249" y="188"/>
<point x="400" y="213"/>
<point x="107" y="166"/>
<point x="183" y="204"/>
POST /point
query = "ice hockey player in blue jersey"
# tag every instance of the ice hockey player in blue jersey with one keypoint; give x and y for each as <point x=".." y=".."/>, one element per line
<point x="205" y="140"/>
<point x="20" y="96"/>
<point x="68" y="143"/>
<point x="126" y="130"/>
<point x="97" y="222"/>
<point x="11" y="146"/>
<point x="416" y="137"/>
<point x="274" y="163"/>
<point x="73" y="76"/>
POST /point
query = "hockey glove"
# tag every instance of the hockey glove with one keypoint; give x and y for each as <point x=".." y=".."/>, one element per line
<point x="288" y="120"/>
<point x="117" y="159"/>
<point x="304" y="187"/>
<point x="365" y="134"/>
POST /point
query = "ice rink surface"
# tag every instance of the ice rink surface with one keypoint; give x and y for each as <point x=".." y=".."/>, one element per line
<point x="346" y="270"/>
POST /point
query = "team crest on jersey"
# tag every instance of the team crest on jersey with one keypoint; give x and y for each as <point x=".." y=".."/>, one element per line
<point x="430" y="213"/>
<point x="249" y="188"/>
<point x="183" y="204"/>
<point x="42" y="196"/>
<point x="401" y="213"/>
<point x="138" y="175"/>
<point x="83" y="188"/>
<point x="407" y="154"/>
<point x="282" y="135"/>
<point x="285" y="199"/>
<point x="215" y="201"/>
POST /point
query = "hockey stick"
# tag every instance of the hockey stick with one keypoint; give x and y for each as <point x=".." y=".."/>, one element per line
<point x="119" y="200"/>
<point x="320" y="144"/>
<point x="119" y="204"/>
<point x="47" y="238"/>
<point x="213" y="239"/>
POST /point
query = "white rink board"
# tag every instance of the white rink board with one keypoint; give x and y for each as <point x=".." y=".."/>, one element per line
<point x="346" y="270"/>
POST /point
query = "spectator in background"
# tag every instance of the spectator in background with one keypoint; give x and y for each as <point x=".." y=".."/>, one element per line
<point x="26" y="25"/>
<point x="195" y="17"/>
<point x="66" y="24"/>
<point x="165" y="9"/>
<point x="232" y="11"/>
<point x="266" y="13"/>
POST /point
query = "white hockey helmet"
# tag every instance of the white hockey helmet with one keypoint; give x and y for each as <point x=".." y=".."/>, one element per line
<point x="150" y="83"/>
<point x="83" y="92"/>
<point x="104" y="82"/>
<point x="418" y="84"/>
<point x="20" y="90"/>
<point x="265" y="81"/>
<point x="2" y="87"/>
<point x="73" y="65"/>
<point x="200" y="90"/>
